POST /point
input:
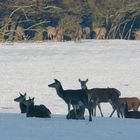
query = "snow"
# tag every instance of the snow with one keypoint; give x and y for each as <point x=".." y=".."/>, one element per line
<point x="30" y="67"/>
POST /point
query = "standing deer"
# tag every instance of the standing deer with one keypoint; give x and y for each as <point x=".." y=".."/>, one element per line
<point x="40" y="111"/>
<point x="51" y="32"/>
<point x="78" y="34"/>
<point x="55" y="33"/>
<point x="84" y="87"/>
<point x="20" y="100"/>
<point x="85" y="32"/>
<point x="20" y="32"/>
<point x="71" y="97"/>
<point x="133" y="103"/>
<point x="99" y="95"/>
<point x="100" y="32"/>
<point x="137" y="35"/>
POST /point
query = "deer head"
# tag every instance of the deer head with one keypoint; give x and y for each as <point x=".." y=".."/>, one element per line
<point x="83" y="83"/>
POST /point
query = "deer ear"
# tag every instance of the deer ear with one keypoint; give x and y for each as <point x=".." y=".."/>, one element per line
<point x="87" y="80"/>
<point x="55" y="80"/>
<point x="25" y="94"/>
<point x="20" y="94"/>
<point x="79" y="80"/>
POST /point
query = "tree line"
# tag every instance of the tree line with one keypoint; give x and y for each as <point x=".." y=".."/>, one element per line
<point x="69" y="14"/>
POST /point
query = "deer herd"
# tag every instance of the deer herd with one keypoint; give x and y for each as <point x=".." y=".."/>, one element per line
<point x="81" y="99"/>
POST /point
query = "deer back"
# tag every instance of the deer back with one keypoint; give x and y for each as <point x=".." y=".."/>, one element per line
<point x="132" y="102"/>
<point x="104" y="94"/>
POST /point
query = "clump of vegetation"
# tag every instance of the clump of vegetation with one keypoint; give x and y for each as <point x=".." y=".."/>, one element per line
<point x="69" y="25"/>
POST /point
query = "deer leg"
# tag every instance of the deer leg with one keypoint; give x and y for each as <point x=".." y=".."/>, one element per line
<point x="112" y="113"/>
<point x="75" y="111"/>
<point x="94" y="111"/>
<point x="90" y="113"/>
<point x="115" y="107"/>
<point x="68" y="117"/>
<point x="100" y="109"/>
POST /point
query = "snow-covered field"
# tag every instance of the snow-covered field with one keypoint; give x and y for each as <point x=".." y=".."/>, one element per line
<point x="30" y="67"/>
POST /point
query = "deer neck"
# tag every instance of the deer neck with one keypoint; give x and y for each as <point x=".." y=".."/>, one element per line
<point x="30" y="110"/>
<point x="60" y="91"/>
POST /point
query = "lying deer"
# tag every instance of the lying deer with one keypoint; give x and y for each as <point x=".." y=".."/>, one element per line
<point x="132" y="102"/>
<point x="80" y="113"/>
<point x="130" y="114"/>
<point x="84" y="87"/>
<point x="71" y="97"/>
<point x="40" y="111"/>
<point x="85" y="32"/>
<point x="51" y="32"/>
<point x="99" y="95"/>
<point x="20" y="100"/>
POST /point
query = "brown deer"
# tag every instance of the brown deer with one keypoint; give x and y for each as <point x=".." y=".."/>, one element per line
<point x="100" y="32"/>
<point x="133" y="103"/>
<point x="85" y="32"/>
<point x="137" y="35"/>
<point x="78" y="34"/>
<point x="80" y="113"/>
<point x="40" y="111"/>
<point x="20" y="32"/>
<point x="84" y="87"/>
<point x="99" y="95"/>
<point x="130" y="114"/>
<point x="20" y="100"/>
<point x="55" y="33"/>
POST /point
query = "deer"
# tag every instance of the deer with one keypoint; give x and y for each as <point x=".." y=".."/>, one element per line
<point x="55" y="33"/>
<point x="137" y="34"/>
<point x="80" y="113"/>
<point x="100" y="32"/>
<point x="75" y="98"/>
<point x="51" y="32"/>
<point x="78" y="34"/>
<point x="133" y="103"/>
<point x="20" y="100"/>
<point x="84" y="87"/>
<point x="85" y="32"/>
<point x="129" y="114"/>
<point x="20" y="32"/>
<point x="100" y="95"/>
<point x="40" y="111"/>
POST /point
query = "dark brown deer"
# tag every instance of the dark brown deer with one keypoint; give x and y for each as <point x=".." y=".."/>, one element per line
<point x="130" y="114"/>
<point x="99" y="95"/>
<point x="20" y="100"/>
<point x="80" y="113"/>
<point x="40" y="111"/>
<point x="133" y="103"/>
<point x="71" y="97"/>
<point x="84" y="87"/>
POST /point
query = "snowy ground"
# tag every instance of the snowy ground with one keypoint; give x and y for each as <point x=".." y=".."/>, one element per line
<point x="30" y="67"/>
